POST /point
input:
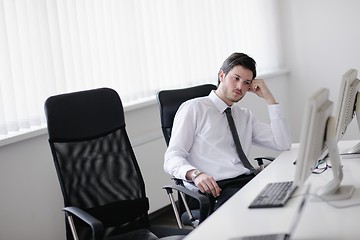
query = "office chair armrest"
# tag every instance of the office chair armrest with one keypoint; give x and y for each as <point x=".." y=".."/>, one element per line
<point x="265" y="157"/>
<point x="261" y="159"/>
<point x="204" y="202"/>
<point x="96" y="225"/>
<point x="178" y="181"/>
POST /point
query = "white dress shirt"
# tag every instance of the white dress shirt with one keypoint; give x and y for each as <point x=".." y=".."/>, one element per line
<point x="201" y="137"/>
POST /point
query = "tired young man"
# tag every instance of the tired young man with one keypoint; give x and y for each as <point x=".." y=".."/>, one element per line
<point x="202" y="151"/>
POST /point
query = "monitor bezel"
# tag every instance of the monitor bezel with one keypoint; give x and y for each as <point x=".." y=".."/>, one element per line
<point x="313" y="134"/>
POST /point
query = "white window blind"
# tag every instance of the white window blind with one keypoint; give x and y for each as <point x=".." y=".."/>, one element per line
<point x="137" y="47"/>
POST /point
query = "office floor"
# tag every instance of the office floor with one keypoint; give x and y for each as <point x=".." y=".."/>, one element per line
<point x="165" y="217"/>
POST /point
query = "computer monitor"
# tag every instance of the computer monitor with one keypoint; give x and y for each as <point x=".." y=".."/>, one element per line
<point x="347" y="106"/>
<point x="318" y="133"/>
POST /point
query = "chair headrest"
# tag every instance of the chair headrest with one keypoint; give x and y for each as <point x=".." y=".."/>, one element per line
<point x="84" y="114"/>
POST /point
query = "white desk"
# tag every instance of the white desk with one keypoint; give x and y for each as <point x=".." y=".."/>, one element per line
<point x="318" y="219"/>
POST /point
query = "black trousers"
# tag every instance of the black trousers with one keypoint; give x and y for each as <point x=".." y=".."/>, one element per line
<point x="228" y="188"/>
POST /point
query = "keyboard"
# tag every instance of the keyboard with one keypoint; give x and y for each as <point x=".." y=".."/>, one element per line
<point x="273" y="195"/>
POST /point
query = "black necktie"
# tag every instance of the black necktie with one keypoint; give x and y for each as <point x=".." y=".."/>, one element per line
<point x="235" y="135"/>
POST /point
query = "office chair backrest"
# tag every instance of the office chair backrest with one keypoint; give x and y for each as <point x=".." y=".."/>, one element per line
<point x="94" y="159"/>
<point x="170" y="100"/>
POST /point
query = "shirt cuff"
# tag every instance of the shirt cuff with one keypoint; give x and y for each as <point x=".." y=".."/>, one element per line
<point x="183" y="170"/>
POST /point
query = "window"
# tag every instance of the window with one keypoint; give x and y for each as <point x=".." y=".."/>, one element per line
<point x="136" y="47"/>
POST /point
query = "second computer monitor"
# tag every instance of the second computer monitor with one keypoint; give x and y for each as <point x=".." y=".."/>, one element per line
<point x="348" y="105"/>
<point x="319" y="134"/>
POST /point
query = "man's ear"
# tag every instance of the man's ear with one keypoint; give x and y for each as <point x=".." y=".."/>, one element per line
<point x="221" y="75"/>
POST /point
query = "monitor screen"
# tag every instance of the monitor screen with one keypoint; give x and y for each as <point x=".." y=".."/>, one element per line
<point x="318" y="133"/>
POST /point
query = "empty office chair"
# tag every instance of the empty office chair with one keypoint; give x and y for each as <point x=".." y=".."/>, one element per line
<point x="101" y="182"/>
<point x="169" y="101"/>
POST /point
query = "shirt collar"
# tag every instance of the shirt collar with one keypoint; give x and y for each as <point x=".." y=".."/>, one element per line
<point x="218" y="102"/>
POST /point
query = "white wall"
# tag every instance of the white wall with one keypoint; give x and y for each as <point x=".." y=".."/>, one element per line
<point x="321" y="41"/>
<point x="30" y="200"/>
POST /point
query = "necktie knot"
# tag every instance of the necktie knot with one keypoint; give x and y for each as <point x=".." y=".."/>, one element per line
<point x="228" y="110"/>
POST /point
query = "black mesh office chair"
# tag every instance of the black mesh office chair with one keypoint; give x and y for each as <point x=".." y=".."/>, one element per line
<point x="101" y="183"/>
<point x="169" y="101"/>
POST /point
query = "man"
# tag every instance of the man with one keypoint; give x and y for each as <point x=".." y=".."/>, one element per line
<point x="201" y="150"/>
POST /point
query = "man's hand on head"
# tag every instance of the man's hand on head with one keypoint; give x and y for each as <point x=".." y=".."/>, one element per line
<point x="259" y="87"/>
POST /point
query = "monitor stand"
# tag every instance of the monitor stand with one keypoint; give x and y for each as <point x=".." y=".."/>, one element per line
<point x="355" y="150"/>
<point x="333" y="190"/>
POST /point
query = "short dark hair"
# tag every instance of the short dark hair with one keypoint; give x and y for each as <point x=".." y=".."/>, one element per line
<point x="236" y="59"/>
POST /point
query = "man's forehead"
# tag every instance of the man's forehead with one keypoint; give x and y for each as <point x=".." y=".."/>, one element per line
<point x="242" y="72"/>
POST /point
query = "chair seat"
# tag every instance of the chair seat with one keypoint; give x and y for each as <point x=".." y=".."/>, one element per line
<point x="144" y="234"/>
<point x="147" y="234"/>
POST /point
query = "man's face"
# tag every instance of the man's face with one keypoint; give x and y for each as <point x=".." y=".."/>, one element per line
<point x="235" y="84"/>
